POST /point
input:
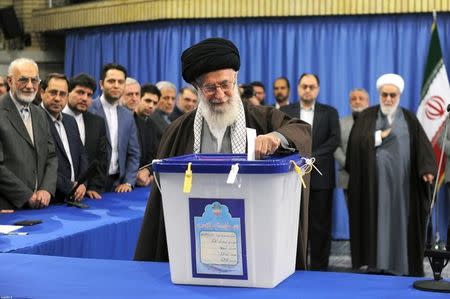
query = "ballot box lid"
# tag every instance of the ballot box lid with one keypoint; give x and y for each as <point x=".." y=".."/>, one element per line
<point x="221" y="163"/>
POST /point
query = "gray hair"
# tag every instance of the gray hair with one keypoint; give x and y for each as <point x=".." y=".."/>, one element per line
<point x="130" y="81"/>
<point x="188" y="87"/>
<point x="358" y="89"/>
<point x="19" y="61"/>
<point x="166" y="85"/>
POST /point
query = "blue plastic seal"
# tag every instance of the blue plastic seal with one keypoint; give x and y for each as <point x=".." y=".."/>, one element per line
<point x="221" y="163"/>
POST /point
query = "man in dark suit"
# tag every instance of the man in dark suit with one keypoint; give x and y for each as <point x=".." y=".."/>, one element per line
<point x="28" y="162"/>
<point x="324" y="120"/>
<point x="186" y="102"/>
<point x="92" y="130"/>
<point x="72" y="161"/>
<point x="147" y="133"/>
<point x="281" y="91"/>
<point x="161" y="115"/>
<point x="121" y="130"/>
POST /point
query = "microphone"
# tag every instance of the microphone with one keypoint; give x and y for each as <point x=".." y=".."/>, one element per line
<point x="448" y="108"/>
<point x="81" y="180"/>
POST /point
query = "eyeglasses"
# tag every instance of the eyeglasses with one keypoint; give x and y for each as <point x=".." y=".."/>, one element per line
<point x="24" y="80"/>
<point x="391" y="94"/>
<point x="54" y="93"/>
<point x="210" y="89"/>
<point x="305" y="87"/>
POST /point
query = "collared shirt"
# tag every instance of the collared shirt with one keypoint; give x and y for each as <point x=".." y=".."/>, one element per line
<point x="113" y="127"/>
<point x="57" y="122"/>
<point x="80" y="122"/>
<point x="307" y="114"/>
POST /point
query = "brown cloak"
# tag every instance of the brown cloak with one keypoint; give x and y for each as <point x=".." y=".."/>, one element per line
<point x="179" y="140"/>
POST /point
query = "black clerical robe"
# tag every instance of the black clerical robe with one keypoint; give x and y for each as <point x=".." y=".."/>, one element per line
<point x="363" y="195"/>
<point x="179" y="140"/>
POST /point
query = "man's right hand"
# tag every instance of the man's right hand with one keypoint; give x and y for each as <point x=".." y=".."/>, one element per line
<point x="33" y="202"/>
<point x="385" y="133"/>
<point x="93" y="194"/>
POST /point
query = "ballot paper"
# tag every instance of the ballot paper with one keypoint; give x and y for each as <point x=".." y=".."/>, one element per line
<point x="251" y="137"/>
<point x="7" y="229"/>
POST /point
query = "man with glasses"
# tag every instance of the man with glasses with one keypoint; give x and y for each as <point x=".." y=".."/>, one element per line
<point x="72" y="159"/>
<point x="219" y="125"/>
<point x="391" y="165"/>
<point x="28" y="162"/>
<point x="324" y="120"/>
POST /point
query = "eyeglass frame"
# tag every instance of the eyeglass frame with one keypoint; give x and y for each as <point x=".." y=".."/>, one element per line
<point x="386" y="94"/>
<point x="33" y="80"/>
<point x="213" y="87"/>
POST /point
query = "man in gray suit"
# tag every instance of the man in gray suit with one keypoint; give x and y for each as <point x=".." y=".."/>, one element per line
<point x="359" y="100"/>
<point x="28" y="162"/>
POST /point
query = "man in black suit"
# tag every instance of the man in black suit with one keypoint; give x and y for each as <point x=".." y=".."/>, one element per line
<point x="161" y="115"/>
<point x="186" y="102"/>
<point x="72" y="161"/>
<point x="324" y="120"/>
<point x="281" y="91"/>
<point x="92" y="130"/>
<point x="147" y="133"/>
<point x="28" y="161"/>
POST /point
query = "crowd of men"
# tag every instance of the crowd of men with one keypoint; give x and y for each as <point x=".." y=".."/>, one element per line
<point x="53" y="133"/>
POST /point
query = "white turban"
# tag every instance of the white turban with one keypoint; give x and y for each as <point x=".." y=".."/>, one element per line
<point x="393" y="79"/>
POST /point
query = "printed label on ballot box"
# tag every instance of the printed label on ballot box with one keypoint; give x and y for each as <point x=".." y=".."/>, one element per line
<point x="218" y="246"/>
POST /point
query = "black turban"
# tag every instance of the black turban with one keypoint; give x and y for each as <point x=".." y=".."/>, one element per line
<point x="209" y="55"/>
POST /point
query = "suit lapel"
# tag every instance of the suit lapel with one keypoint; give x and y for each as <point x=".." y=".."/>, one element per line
<point x="101" y="112"/>
<point x="70" y="137"/>
<point x="120" y="127"/>
<point x="317" y="119"/>
<point x="89" y="129"/>
<point x="16" y="120"/>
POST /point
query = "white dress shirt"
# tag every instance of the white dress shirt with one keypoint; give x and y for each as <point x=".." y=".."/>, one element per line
<point x="307" y="114"/>
<point x="65" y="141"/>
<point x="80" y="122"/>
<point x="113" y="127"/>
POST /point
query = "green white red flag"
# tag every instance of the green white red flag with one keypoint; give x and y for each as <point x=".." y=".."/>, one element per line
<point x="435" y="96"/>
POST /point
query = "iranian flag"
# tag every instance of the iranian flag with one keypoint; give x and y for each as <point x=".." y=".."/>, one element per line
<point x="434" y="97"/>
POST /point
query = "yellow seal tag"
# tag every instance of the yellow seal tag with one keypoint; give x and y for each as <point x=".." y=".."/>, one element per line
<point x="188" y="179"/>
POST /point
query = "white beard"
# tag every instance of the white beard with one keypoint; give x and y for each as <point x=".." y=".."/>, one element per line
<point x="25" y="98"/>
<point x="389" y="110"/>
<point x="219" y="118"/>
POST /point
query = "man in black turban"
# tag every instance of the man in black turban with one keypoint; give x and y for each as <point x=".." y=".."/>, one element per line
<point x="219" y="125"/>
<point x="212" y="54"/>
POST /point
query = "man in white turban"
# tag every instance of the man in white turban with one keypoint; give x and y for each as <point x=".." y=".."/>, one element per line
<point x="391" y="166"/>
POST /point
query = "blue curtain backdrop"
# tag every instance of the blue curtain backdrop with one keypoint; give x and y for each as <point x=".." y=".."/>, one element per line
<point x="345" y="52"/>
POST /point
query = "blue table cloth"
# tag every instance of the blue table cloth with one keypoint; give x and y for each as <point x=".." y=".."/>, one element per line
<point x="33" y="276"/>
<point x="108" y="229"/>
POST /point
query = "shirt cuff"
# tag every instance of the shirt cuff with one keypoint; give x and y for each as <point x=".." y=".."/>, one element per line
<point x="283" y="141"/>
<point x="378" y="139"/>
